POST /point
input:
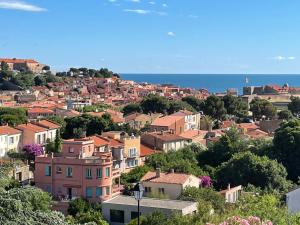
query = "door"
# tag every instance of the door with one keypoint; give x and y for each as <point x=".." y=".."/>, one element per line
<point x="69" y="191"/>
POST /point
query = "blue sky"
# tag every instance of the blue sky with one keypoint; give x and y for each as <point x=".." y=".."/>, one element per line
<point x="155" y="36"/>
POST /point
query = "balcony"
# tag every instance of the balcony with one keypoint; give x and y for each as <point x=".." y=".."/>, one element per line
<point x="116" y="173"/>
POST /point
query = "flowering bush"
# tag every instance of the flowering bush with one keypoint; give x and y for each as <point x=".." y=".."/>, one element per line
<point x="205" y="181"/>
<point x="251" y="220"/>
<point x="33" y="150"/>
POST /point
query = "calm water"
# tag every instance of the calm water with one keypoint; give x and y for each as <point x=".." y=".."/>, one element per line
<point x="214" y="82"/>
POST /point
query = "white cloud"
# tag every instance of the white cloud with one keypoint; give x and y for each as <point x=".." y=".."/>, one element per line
<point x="152" y="3"/>
<point x="282" y="58"/>
<point x="138" y="11"/>
<point x="112" y="0"/>
<point x="135" y="1"/>
<point x="170" y="33"/>
<point x="164" y="5"/>
<point x="193" y="16"/>
<point x="20" y="5"/>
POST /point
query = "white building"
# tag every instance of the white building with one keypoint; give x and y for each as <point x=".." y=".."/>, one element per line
<point x="9" y="140"/>
<point x="231" y="194"/>
<point x="191" y="120"/>
<point x="122" y="209"/>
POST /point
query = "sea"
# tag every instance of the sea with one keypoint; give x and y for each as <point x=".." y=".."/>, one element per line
<point x="216" y="83"/>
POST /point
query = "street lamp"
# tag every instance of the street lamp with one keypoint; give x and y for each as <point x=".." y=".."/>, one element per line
<point x="138" y="195"/>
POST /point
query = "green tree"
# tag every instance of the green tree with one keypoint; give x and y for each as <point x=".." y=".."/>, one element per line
<point x="235" y="106"/>
<point x="294" y="106"/>
<point x="132" y="108"/>
<point x="285" y="115"/>
<point x="57" y="142"/>
<point x="154" y="104"/>
<point x="287" y="147"/>
<point x="12" y="116"/>
<point x="246" y="168"/>
<point x="175" y="106"/>
<point x="262" y="108"/>
<point x="214" y="107"/>
<point x="196" y="103"/>
<point x="5" y="73"/>
<point x="40" y="81"/>
<point x="24" y="80"/>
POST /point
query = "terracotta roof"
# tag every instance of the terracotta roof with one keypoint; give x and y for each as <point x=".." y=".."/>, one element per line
<point x="170" y="178"/>
<point x="17" y="60"/>
<point x="100" y="141"/>
<point x="115" y="143"/>
<point x="39" y="110"/>
<point x="167" y="136"/>
<point x="166" y="121"/>
<point x="31" y="127"/>
<point x="48" y="124"/>
<point x="193" y="133"/>
<point x="182" y="113"/>
<point x="257" y="133"/>
<point x="231" y="189"/>
<point x="248" y="126"/>
<point x="8" y="130"/>
<point x="145" y="151"/>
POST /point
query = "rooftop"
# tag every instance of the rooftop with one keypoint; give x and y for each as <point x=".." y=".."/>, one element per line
<point x="31" y="127"/>
<point x="170" y="178"/>
<point x="151" y="202"/>
<point x="166" y="121"/>
<point x="8" y="130"/>
<point x="48" y="124"/>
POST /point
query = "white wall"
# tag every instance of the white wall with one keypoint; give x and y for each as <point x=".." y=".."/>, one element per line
<point x="293" y="201"/>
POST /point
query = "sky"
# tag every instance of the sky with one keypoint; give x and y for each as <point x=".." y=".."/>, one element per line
<point x="155" y="36"/>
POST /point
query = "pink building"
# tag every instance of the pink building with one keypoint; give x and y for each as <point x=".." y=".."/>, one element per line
<point x="79" y="171"/>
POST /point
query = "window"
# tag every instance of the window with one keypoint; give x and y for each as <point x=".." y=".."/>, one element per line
<point x="44" y="138"/>
<point x="39" y="139"/>
<point x="116" y="216"/>
<point x="132" y="163"/>
<point x="107" y="171"/>
<point x="107" y="190"/>
<point x="132" y="152"/>
<point x="99" y="173"/>
<point x="48" y="171"/>
<point x="69" y="172"/>
<point x="88" y="173"/>
<point x="89" y="192"/>
<point x="58" y="170"/>
<point x="71" y="150"/>
<point x="161" y="190"/>
<point x="11" y="140"/>
<point x="147" y="189"/>
<point x="98" y="192"/>
<point x="134" y="215"/>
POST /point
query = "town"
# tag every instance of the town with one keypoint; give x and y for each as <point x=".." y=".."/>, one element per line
<point x="84" y="145"/>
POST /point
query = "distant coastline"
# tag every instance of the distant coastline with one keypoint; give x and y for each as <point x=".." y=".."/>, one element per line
<point x="215" y="82"/>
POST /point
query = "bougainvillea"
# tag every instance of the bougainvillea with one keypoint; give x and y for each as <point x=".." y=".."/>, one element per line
<point x="33" y="150"/>
<point x="251" y="220"/>
<point x="205" y="181"/>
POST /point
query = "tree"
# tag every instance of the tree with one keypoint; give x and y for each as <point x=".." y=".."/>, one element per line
<point x="207" y="195"/>
<point x="40" y="81"/>
<point x="246" y="168"/>
<point x="214" y="107"/>
<point x="235" y="106"/>
<point x="12" y="116"/>
<point x="154" y="104"/>
<point x="23" y="79"/>
<point x="285" y="115"/>
<point x="47" y="68"/>
<point x="294" y="106"/>
<point x="287" y="147"/>
<point x="261" y="108"/>
<point x="33" y="150"/>
<point x="57" y="142"/>
<point x="5" y="73"/>
<point x="196" y="103"/>
<point x="175" y="106"/>
<point x="134" y="175"/>
<point x="131" y="108"/>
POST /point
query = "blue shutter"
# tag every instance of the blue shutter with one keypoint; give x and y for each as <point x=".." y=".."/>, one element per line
<point x="98" y="192"/>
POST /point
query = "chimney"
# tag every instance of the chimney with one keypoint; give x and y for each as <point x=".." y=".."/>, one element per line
<point x="228" y="186"/>
<point x="158" y="170"/>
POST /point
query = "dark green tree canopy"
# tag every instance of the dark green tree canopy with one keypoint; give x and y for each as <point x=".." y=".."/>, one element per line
<point x="155" y="104"/>
<point x="214" y="107"/>
<point x="262" y="108"/>
<point x="294" y="106"/>
<point x="132" y="108"/>
<point x="235" y="106"/>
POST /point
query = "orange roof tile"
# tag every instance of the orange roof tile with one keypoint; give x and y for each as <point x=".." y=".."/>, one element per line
<point x="8" y="130"/>
<point x="170" y="178"/>
<point x="145" y="151"/>
<point x="166" y="121"/>
<point x="48" y="124"/>
<point x="17" y="60"/>
<point x="100" y="141"/>
<point x="31" y="127"/>
<point x="193" y="133"/>
<point x="39" y="110"/>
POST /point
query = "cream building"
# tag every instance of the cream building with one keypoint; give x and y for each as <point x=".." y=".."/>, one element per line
<point x="9" y="140"/>
<point x="170" y="184"/>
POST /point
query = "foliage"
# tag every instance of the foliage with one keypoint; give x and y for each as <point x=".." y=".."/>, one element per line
<point x="154" y="104"/>
<point x="205" y="182"/>
<point x="5" y="73"/>
<point x="287" y="147"/>
<point x="95" y="108"/>
<point x="175" y="106"/>
<point x="58" y="120"/>
<point x="294" y="106"/>
<point x="262" y="108"/>
<point x="134" y="175"/>
<point x="251" y="220"/>
<point x="184" y="161"/>
<point x="214" y="107"/>
<point x="103" y="72"/>
<point x="235" y="106"/>
<point x="40" y="80"/>
<point x="23" y="79"/>
<point x="132" y="108"/>
<point x="285" y="115"/>
<point x="196" y="103"/>
<point x="12" y="116"/>
<point x="32" y="150"/>
<point x="82" y="212"/>
<point x="247" y="168"/>
<point x="207" y="195"/>
<point x="57" y="142"/>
